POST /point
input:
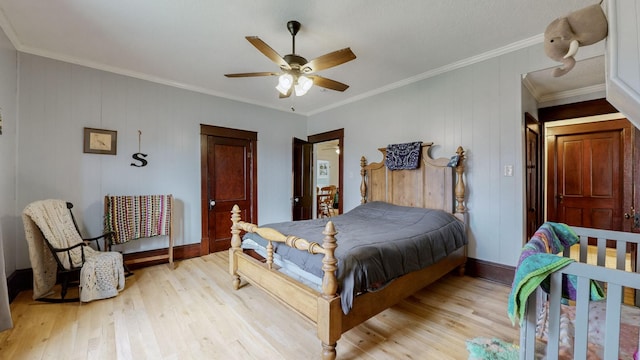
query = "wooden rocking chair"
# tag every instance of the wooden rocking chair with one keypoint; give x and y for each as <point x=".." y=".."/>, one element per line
<point x="69" y="250"/>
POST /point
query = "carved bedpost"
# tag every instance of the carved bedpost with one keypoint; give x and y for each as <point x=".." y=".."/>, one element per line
<point x="363" y="184"/>
<point x="235" y="246"/>
<point x="460" y="188"/>
<point x="330" y="331"/>
<point x="329" y="262"/>
<point x="235" y="231"/>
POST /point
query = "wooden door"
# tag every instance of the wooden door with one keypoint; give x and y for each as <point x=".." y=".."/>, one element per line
<point x="302" y="201"/>
<point x="590" y="174"/>
<point x="533" y="175"/>
<point x="228" y="161"/>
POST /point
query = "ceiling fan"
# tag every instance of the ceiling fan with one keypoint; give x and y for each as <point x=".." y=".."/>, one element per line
<point x="297" y="74"/>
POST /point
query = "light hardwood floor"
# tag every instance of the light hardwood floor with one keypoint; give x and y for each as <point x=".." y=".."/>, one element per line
<point x="193" y="313"/>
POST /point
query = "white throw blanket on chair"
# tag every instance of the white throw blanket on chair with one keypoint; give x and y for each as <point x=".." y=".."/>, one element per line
<point x="102" y="275"/>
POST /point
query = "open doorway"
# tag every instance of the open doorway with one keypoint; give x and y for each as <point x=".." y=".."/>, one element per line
<point x="326" y="178"/>
<point x="320" y="160"/>
<point x="589" y="167"/>
<point x="587" y="162"/>
<point x="546" y="100"/>
<point x="593" y="143"/>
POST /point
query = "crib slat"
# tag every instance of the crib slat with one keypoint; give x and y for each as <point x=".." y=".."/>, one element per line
<point x="634" y="268"/>
<point x="582" y="318"/>
<point x="528" y="329"/>
<point x="612" y="324"/>
<point x="554" y="315"/>
<point x="584" y="248"/>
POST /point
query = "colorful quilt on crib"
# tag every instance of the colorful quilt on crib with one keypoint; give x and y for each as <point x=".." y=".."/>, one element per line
<point x="537" y="261"/>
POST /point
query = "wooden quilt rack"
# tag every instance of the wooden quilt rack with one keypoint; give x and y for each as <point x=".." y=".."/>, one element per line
<point x="140" y="216"/>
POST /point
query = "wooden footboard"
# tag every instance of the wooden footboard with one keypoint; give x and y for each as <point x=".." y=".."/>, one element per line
<point x="436" y="184"/>
<point x="324" y="308"/>
<point x="616" y="278"/>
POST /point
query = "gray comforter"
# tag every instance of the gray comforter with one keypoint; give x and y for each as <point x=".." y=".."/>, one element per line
<point x="377" y="242"/>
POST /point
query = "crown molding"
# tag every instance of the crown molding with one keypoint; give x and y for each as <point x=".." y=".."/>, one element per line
<point x="9" y="31"/>
<point x="441" y="70"/>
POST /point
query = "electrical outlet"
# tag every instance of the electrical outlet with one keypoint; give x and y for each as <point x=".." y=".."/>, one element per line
<point x="508" y="170"/>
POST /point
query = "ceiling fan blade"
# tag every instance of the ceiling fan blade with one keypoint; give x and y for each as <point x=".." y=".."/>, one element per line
<point x="265" y="73"/>
<point x="328" y="60"/>
<point x="328" y="83"/>
<point x="268" y="51"/>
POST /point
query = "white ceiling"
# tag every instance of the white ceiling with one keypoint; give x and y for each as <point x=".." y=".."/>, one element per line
<point x="588" y="76"/>
<point x="192" y="43"/>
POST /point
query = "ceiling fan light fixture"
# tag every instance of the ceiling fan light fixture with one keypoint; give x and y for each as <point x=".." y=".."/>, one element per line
<point x="303" y="85"/>
<point x="295" y="70"/>
<point x="284" y="83"/>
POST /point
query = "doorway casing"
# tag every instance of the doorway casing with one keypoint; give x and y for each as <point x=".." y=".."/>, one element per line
<point x="337" y="134"/>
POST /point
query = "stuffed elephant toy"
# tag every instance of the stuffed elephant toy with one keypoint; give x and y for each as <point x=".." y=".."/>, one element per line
<point x="564" y="35"/>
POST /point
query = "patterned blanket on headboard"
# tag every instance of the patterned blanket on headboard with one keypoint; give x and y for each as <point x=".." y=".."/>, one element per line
<point x="403" y="156"/>
<point x="135" y="217"/>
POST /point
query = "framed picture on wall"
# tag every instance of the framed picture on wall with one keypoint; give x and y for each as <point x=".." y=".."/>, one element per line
<point x="323" y="169"/>
<point x="98" y="141"/>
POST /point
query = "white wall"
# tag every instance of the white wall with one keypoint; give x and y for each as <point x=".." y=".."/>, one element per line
<point x="8" y="94"/>
<point x="479" y="107"/>
<point x="623" y="72"/>
<point x="57" y="100"/>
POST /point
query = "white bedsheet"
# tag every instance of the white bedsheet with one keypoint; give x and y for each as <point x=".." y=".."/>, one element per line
<point x="286" y="267"/>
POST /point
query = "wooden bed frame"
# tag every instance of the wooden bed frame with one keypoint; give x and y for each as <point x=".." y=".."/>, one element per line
<point x="430" y="186"/>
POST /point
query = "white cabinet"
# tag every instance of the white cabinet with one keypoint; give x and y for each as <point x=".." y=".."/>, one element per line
<point x="623" y="57"/>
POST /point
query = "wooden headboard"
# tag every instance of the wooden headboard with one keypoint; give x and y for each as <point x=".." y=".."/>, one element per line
<point x="433" y="184"/>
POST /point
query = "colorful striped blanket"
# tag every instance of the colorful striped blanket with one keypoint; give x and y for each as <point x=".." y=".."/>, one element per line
<point x="538" y="260"/>
<point x="135" y="217"/>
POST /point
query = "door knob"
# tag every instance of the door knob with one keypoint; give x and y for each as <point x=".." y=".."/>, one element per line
<point x="212" y="203"/>
<point x="296" y="199"/>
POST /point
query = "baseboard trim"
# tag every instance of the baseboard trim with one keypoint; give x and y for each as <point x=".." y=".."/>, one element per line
<point x="499" y="273"/>
<point x="160" y="256"/>
<point x="18" y="281"/>
<point x="22" y="279"/>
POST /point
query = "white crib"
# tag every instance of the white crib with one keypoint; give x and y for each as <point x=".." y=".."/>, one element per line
<point x="586" y="268"/>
